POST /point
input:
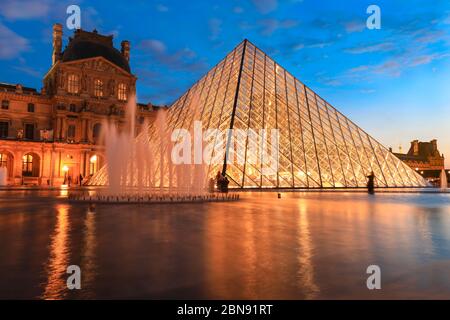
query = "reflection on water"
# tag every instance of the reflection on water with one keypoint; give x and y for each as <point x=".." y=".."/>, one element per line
<point x="59" y="256"/>
<point x="306" y="270"/>
<point x="302" y="246"/>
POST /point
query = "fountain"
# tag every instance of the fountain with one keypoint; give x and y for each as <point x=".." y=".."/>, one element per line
<point x="3" y="176"/>
<point x="140" y="170"/>
<point x="444" y="183"/>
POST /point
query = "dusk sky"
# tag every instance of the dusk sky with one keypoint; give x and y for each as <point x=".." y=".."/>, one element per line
<point x="393" y="82"/>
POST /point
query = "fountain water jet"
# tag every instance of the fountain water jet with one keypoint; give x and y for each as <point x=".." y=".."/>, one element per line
<point x="444" y="183"/>
<point x="141" y="170"/>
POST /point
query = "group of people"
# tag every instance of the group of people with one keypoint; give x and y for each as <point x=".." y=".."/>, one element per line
<point x="68" y="180"/>
<point x="221" y="182"/>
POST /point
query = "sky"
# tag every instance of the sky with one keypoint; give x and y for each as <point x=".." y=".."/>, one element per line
<point x="394" y="82"/>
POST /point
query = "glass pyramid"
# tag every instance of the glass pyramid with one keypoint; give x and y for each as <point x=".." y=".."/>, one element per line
<point x="318" y="147"/>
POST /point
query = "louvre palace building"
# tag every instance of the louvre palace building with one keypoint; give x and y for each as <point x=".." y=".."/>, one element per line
<point x="52" y="136"/>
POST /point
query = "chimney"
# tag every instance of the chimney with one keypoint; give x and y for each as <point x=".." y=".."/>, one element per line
<point x="57" y="42"/>
<point x="434" y="145"/>
<point x="125" y="44"/>
<point x="415" y="147"/>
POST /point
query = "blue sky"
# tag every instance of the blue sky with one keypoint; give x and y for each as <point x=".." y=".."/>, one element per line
<point x="393" y="82"/>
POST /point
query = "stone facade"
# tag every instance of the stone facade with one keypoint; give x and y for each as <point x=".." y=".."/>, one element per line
<point x="53" y="136"/>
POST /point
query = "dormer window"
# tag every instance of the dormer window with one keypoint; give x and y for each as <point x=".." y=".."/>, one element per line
<point x="122" y="93"/>
<point x="98" y="88"/>
<point x="73" y="83"/>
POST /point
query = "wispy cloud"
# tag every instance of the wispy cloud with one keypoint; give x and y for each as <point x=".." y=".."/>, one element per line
<point x="238" y="10"/>
<point x="215" y="28"/>
<point x="181" y="60"/>
<point x="12" y="44"/>
<point x="162" y="8"/>
<point x="269" y="26"/>
<point x="385" y="46"/>
<point x="154" y="46"/>
<point x="28" y="70"/>
<point x="25" y="9"/>
<point x="354" y="26"/>
<point x="265" y="6"/>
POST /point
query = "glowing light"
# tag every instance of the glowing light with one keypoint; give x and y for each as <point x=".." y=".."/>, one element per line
<point x="93" y="159"/>
<point x="65" y="168"/>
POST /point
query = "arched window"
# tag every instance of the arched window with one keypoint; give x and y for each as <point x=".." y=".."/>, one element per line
<point x="27" y="165"/>
<point x="93" y="164"/>
<point x="30" y="165"/>
<point x="122" y="93"/>
<point x="98" y="88"/>
<point x="73" y="83"/>
<point x="3" y="160"/>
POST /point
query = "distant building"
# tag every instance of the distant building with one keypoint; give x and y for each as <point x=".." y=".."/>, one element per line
<point x="425" y="158"/>
<point x="48" y="136"/>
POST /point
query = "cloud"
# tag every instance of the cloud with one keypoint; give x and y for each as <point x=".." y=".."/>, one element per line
<point x="354" y="26"/>
<point x="154" y="46"/>
<point x="269" y="26"/>
<point x="265" y="6"/>
<point x="426" y="59"/>
<point x="238" y="10"/>
<point x="25" y="9"/>
<point x="162" y="8"/>
<point x="215" y="28"/>
<point x="90" y="19"/>
<point x="181" y="60"/>
<point x="385" y="46"/>
<point x="30" y="71"/>
<point x="358" y="69"/>
<point x="12" y="44"/>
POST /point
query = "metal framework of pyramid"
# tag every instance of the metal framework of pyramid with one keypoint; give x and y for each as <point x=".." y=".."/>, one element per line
<point x="318" y="146"/>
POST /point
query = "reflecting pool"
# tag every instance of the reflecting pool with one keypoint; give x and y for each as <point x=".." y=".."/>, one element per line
<point x="306" y="245"/>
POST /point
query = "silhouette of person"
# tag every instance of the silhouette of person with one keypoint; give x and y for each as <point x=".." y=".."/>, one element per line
<point x="371" y="183"/>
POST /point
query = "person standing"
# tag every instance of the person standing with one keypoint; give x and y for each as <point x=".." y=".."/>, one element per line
<point x="371" y="183"/>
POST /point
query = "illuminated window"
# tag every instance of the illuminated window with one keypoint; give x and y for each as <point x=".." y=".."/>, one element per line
<point x="27" y="165"/>
<point x="73" y="85"/>
<point x="3" y="160"/>
<point x="122" y="92"/>
<point x="93" y="164"/>
<point x="98" y="88"/>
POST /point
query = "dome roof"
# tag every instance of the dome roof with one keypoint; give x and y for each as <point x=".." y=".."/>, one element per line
<point x="91" y="44"/>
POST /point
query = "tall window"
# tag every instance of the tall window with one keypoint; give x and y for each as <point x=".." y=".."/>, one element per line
<point x="93" y="164"/>
<point x="96" y="131"/>
<point x="71" y="131"/>
<point x="29" y="131"/>
<point x="5" y="104"/>
<point x="3" y="160"/>
<point x="27" y="165"/>
<point x="122" y="92"/>
<point x="4" y="129"/>
<point x="98" y="88"/>
<point x="72" y="108"/>
<point x="31" y="107"/>
<point x="73" y="83"/>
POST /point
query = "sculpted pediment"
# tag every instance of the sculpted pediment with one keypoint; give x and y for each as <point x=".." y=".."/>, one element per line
<point x="98" y="64"/>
